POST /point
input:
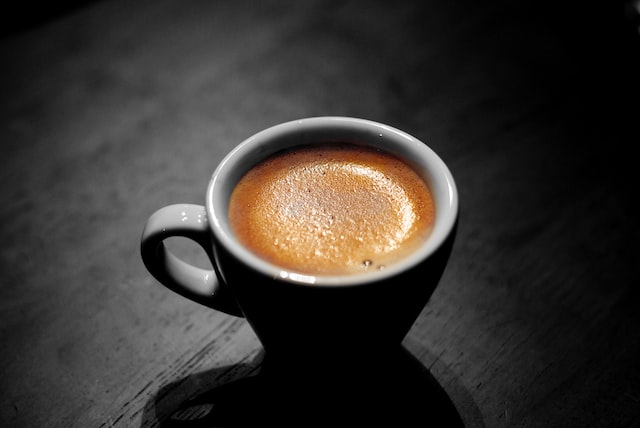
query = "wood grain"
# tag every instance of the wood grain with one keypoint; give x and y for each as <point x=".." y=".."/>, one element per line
<point x="116" y="109"/>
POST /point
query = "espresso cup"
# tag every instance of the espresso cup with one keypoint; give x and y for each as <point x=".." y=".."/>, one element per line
<point x="300" y="316"/>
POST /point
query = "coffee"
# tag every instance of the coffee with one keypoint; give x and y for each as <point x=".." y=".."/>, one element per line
<point x="331" y="209"/>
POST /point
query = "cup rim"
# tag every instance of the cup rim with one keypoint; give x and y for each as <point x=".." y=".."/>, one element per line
<point x="254" y="148"/>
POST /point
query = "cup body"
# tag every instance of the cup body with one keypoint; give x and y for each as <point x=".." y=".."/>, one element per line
<point x="297" y="316"/>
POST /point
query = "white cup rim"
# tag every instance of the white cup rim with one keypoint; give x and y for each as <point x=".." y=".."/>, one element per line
<point x="254" y="148"/>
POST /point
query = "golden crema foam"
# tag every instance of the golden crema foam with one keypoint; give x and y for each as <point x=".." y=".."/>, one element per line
<point x="331" y="209"/>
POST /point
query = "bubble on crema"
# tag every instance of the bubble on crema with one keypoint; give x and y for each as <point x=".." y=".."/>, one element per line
<point x="366" y="263"/>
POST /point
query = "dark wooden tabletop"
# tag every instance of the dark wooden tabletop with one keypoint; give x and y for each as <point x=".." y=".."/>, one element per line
<point x="113" y="109"/>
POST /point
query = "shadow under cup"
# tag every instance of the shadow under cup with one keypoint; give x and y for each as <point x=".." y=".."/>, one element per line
<point x="330" y="319"/>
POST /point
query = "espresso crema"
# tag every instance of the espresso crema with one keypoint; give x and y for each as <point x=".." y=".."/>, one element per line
<point x="331" y="209"/>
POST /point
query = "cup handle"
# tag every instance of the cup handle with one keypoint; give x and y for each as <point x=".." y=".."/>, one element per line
<point x="200" y="285"/>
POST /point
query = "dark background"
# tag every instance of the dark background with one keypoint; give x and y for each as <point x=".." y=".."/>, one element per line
<point x="112" y="109"/>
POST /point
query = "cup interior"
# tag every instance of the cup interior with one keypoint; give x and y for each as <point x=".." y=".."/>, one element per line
<point x="331" y="129"/>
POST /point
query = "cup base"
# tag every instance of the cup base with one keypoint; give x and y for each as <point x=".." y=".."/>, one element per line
<point x="402" y="393"/>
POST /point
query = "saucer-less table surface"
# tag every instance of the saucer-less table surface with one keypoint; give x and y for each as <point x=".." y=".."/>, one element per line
<point x="117" y="108"/>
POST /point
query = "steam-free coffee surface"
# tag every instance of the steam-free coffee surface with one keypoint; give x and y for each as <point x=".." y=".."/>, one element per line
<point x="331" y="209"/>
